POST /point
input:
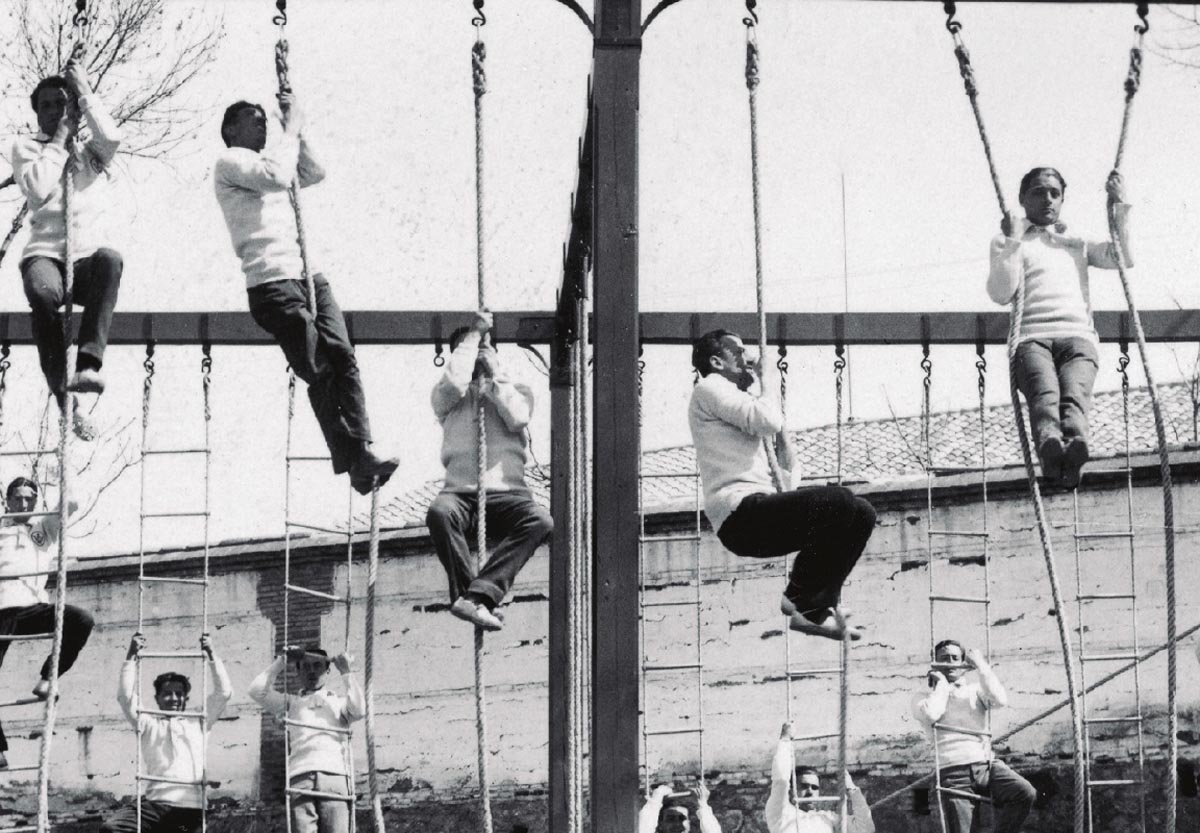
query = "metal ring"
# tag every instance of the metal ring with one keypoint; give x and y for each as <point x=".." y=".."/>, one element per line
<point x="952" y="25"/>
<point x="751" y="19"/>
<point x="1143" y="12"/>
<point x="480" y="19"/>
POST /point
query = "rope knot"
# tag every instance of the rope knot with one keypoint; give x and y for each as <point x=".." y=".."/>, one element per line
<point x="1134" y="79"/>
<point x="478" y="71"/>
<point x="751" y="65"/>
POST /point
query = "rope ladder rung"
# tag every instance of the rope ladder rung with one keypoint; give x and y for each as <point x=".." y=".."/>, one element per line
<point x="172" y="580"/>
<point x="320" y="594"/>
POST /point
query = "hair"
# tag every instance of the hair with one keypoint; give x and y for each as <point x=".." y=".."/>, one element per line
<point x="1028" y="179"/>
<point x="52" y="81"/>
<point x="231" y="115"/>
<point x="806" y="770"/>
<point x="172" y="677"/>
<point x="314" y="649"/>
<point x="707" y="346"/>
<point x="946" y="642"/>
<point x="19" y="483"/>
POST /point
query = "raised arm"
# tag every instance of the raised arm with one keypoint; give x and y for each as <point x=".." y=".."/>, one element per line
<point x="860" y="811"/>
<point x="37" y="167"/>
<point x="704" y="814"/>
<point x="356" y="702"/>
<point x="222" y="691"/>
<point x="262" y="689"/>
<point x="648" y="816"/>
<point x="127" y="694"/>
<point x="513" y="401"/>
<point x="271" y="170"/>
<point x="308" y="169"/>
<point x="1102" y="254"/>
<point x="930" y="708"/>
<point x="990" y="688"/>
<point x="452" y="387"/>
<point x="760" y="416"/>
<point x="1004" y="273"/>
<point x="782" y="765"/>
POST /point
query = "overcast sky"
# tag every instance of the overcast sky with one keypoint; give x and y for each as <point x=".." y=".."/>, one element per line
<point x="868" y="92"/>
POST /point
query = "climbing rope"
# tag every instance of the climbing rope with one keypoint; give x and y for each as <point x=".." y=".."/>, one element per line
<point x="285" y="88"/>
<point x="78" y="22"/>
<point x="479" y="83"/>
<point x="1132" y="83"/>
<point x="369" y="676"/>
<point x="1014" y="334"/>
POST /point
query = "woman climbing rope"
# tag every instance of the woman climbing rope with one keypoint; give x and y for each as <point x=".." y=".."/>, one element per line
<point x="1057" y="352"/>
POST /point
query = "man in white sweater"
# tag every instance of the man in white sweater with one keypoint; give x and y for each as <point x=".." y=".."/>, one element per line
<point x="318" y="736"/>
<point x="801" y="812"/>
<point x="954" y="713"/>
<point x="474" y="377"/>
<point x="1057" y="353"/>
<point x="663" y="812"/>
<point x="173" y="745"/>
<point x="252" y="183"/>
<point x="76" y="131"/>
<point x="827" y="527"/>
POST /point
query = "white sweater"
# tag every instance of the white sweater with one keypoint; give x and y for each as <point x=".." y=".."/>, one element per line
<point x="1055" y="266"/>
<point x="728" y="427"/>
<point x="37" y="167"/>
<point x="173" y="747"/>
<point x="252" y="190"/>
<point x="963" y="705"/>
<point x="648" y="817"/>
<point x="785" y="817"/>
<point x="312" y="750"/>
<point x="508" y="407"/>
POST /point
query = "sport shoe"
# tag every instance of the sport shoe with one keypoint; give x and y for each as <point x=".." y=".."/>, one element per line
<point x="817" y="622"/>
<point x="370" y="471"/>
<point x="1050" y="452"/>
<point x="1074" y="457"/>
<point x="82" y="425"/>
<point x="87" y="380"/>
<point x="476" y="613"/>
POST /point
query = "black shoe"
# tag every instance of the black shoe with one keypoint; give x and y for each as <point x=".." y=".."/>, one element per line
<point x="1074" y="457"/>
<point x="1050" y="452"/>
<point x="371" y="471"/>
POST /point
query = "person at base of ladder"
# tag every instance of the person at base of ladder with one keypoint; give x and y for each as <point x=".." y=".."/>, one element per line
<point x="1057" y="353"/>
<point x="826" y="526"/>
<point x="967" y="762"/>
<point x="318" y="758"/>
<point x="38" y="163"/>
<point x="30" y="545"/>
<point x="252" y="184"/>
<point x="473" y="376"/>
<point x="788" y="813"/>
<point x="664" y="812"/>
<point x="172" y="747"/>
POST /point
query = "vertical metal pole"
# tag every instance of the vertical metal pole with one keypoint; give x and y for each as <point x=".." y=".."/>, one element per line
<point x="617" y="57"/>
<point x="561" y="380"/>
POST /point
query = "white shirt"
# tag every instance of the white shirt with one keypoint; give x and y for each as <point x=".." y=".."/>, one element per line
<point x="964" y="705"/>
<point x="37" y="167"/>
<point x="508" y="407"/>
<point x="312" y="750"/>
<point x="252" y="190"/>
<point x="728" y="427"/>
<point x="1055" y="267"/>
<point x="648" y="817"/>
<point x="784" y="817"/>
<point x="27" y="548"/>
<point x="173" y="747"/>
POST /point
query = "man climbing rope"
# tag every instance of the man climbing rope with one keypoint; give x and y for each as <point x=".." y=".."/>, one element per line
<point x="473" y="376"/>
<point x="1057" y="356"/>
<point x="30" y="545"/>
<point x="663" y="812"/>
<point x="787" y="812"/>
<point x="38" y="164"/>
<point x="966" y="759"/>
<point x="826" y="526"/>
<point x="252" y="183"/>
<point x="172" y="747"/>
<point x="317" y="763"/>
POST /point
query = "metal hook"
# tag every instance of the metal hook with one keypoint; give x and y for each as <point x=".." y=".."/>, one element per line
<point x="1143" y="12"/>
<point x="952" y="25"/>
<point x="480" y="19"/>
<point x="751" y="20"/>
<point x="281" y="18"/>
<point x="80" y="16"/>
<point x="148" y="364"/>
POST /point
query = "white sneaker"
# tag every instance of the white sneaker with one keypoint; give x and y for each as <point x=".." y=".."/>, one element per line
<point x="475" y="613"/>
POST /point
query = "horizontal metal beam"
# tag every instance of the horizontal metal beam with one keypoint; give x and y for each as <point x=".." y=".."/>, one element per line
<point x="414" y="327"/>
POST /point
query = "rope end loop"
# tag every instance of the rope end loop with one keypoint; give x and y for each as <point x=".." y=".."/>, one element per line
<point x="480" y="19"/>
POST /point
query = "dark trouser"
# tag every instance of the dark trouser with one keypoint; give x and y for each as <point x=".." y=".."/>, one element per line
<point x="39" y="618"/>
<point x="157" y="817"/>
<point x="321" y="354"/>
<point x="1012" y="797"/>
<point x="514" y="516"/>
<point x="826" y="526"/>
<point x="97" y="280"/>
<point x="1056" y="378"/>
